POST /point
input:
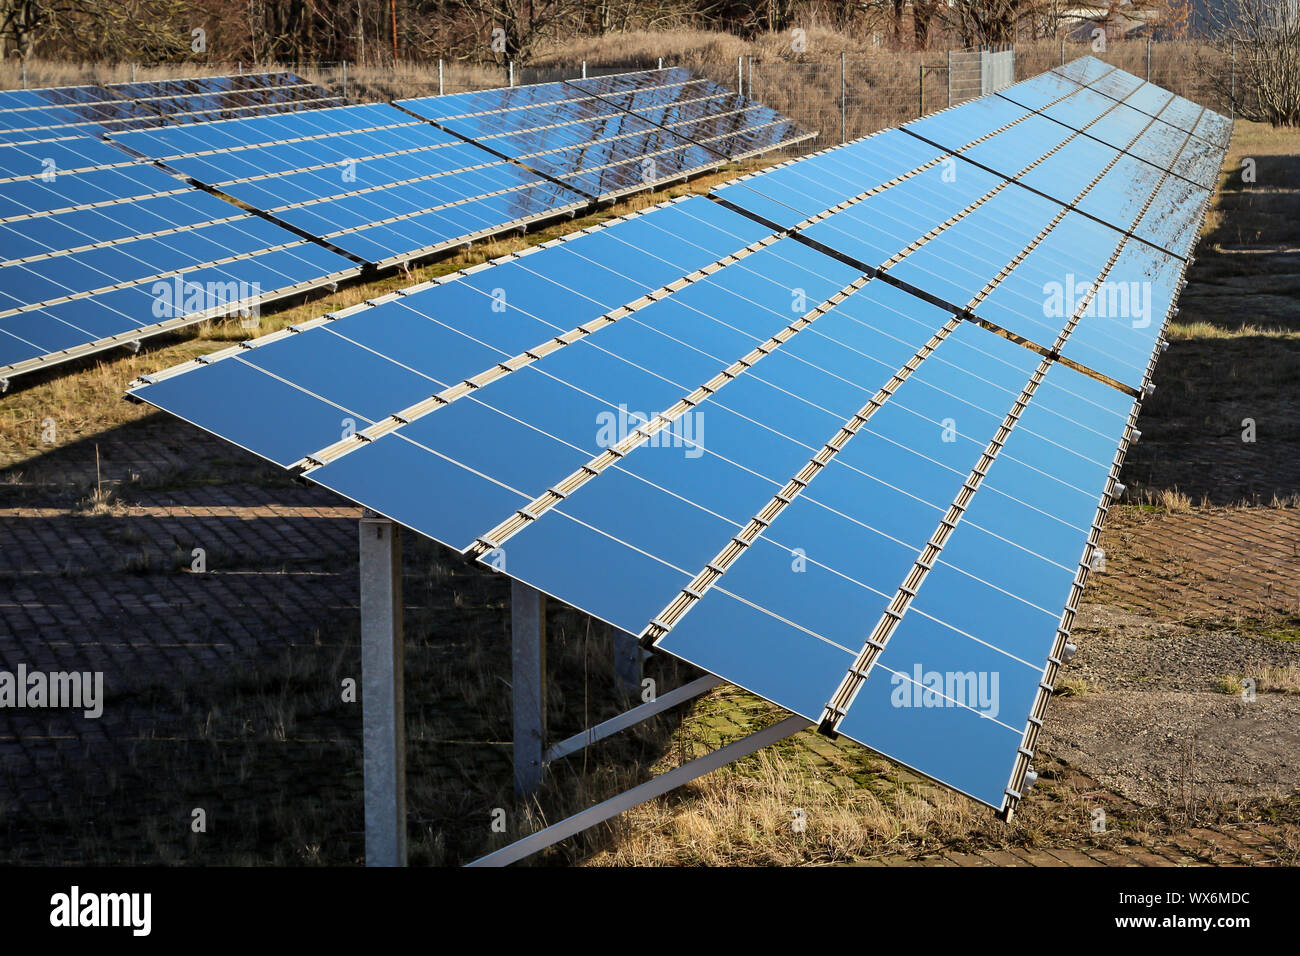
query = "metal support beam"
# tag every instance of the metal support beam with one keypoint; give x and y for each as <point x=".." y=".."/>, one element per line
<point x="382" y="660"/>
<point x="632" y="717"/>
<point x="640" y="794"/>
<point x="628" y="657"/>
<point x="528" y="656"/>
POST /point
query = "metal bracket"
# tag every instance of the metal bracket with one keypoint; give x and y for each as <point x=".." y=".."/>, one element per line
<point x="640" y="794"/>
<point x="629" y="718"/>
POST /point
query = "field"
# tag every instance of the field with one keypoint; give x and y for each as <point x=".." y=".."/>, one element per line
<point x="223" y="686"/>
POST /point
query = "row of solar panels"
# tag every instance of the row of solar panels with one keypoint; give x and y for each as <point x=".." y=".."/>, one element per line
<point x="54" y="113"/>
<point x="843" y="434"/>
<point x="99" y="246"/>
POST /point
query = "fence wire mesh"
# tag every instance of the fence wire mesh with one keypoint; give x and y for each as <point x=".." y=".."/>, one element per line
<point x="838" y="97"/>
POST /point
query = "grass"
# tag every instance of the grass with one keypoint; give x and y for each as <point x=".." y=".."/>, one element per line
<point x="1071" y="686"/>
<point x="1278" y="680"/>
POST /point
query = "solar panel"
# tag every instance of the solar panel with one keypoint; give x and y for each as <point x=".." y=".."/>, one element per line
<point x="591" y="146"/>
<point x="101" y="249"/>
<point x="843" y="435"/>
<point x="611" y="135"/>
<point x="369" y="180"/>
<point x="698" y="110"/>
<point x="204" y="99"/>
<point x="53" y="113"/>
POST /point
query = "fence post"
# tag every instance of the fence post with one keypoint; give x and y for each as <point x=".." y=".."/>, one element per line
<point x="950" y="78"/>
<point x="844" y="102"/>
<point x="1232" y="94"/>
<point x="661" y="63"/>
<point x="1062" y="53"/>
<point x="512" y="74"/>
<point x="132" y="72"/>
<point x="584" y="69"/>
<point x="345" y="79"/>
<point x="1148" y="59"/>
<point x="750" y="81"/>
<point x="920" y="89"/>
<point x="740" y="75"/>
<point x="440" y="76"/>
<point x="24" y="73"/>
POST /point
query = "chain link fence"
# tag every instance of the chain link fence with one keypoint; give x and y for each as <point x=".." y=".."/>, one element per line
<point x="839" y="97"/>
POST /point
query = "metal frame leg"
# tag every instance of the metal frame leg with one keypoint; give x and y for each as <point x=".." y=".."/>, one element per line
<point x="382" y="666"/>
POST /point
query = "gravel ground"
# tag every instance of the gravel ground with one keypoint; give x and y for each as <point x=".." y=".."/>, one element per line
<point x="1153" y="724"/>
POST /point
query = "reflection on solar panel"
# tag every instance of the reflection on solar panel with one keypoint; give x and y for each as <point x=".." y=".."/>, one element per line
<point x="612" y="135"/>
<point x="369" y="180"/>
<point x="100" y="249"/>
<point x="698" y="110"/>
<point x="844" y="435"/>
<point x="43" y="114"/>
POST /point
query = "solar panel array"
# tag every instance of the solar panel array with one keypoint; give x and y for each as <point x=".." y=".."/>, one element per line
<point x="369" y="180"/>
<point x="100" y="249"/>
<point x="611" y="135"/>
<point x="368" y="184"/>
<point x="844" y="434"/>
<point x="53" y="113"/>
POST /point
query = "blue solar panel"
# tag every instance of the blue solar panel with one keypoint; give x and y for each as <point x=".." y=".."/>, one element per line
<point x="874" y="229"/>
<point x="790" y="193"/>
<point x="967" y="122"/>
<point x="859" y="418"/>
<point x="590" y="145"/>
<point x="1006" y="152"/>
<point x="1118" y="341"/>
<point x="698" y="110"/>
<point x="369" y="180"/>
<point x="436" y="336"/>
<point x="613" y="134"/>
<point x="97" y="255"/>
<point x="1040" y="91"/>
<point x="1085" y="70"/>
<point x="44" y="114"/>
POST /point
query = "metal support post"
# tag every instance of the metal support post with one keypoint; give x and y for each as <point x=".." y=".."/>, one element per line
<point x="383" y="724"/>
<point x="844" y="103"/>
<point x="528" y="656"/>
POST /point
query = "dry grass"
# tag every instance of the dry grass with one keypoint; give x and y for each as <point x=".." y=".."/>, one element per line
<point x="769" y="811"/>
<point x="1274" y="680"/>
<point x="1072" y="686"/>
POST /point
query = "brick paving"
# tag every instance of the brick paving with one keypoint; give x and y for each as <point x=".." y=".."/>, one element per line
<point x="1225" y="562"/>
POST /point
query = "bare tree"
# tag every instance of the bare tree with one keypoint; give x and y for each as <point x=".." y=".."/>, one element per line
<point x="146" y="30"/>
<point x="1263" y="36"/>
